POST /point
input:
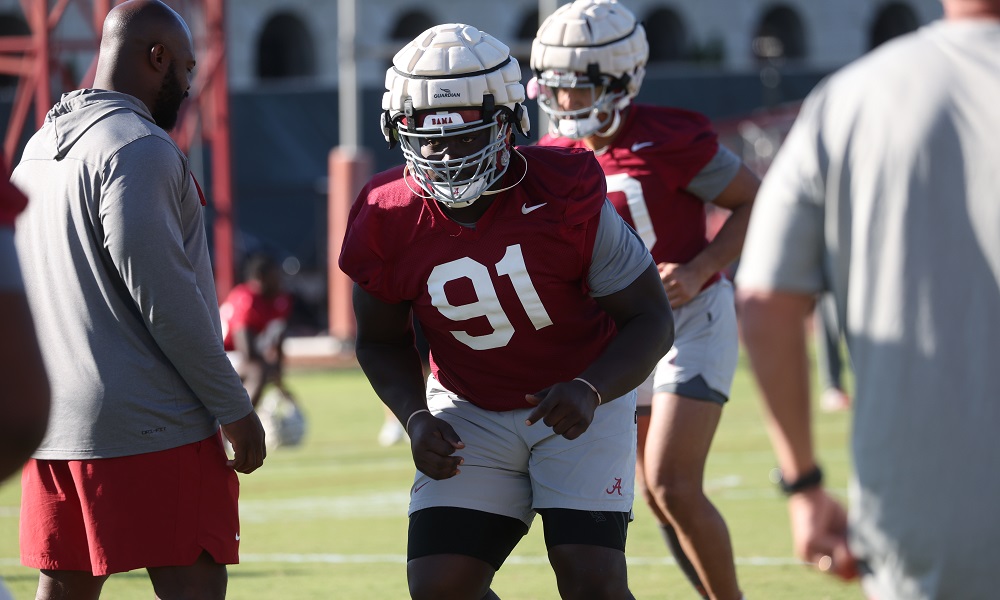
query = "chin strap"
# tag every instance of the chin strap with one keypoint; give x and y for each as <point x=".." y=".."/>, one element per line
<point x="613" y="128"/>
<point x="523" y="175"/>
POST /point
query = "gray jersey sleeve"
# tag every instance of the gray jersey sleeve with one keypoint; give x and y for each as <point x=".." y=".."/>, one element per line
<point x="716" y="175"/>
<point x="10" y="272"/>
<point x="619" y="255"/>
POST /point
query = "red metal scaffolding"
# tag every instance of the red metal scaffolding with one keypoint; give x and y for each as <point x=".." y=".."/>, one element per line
<point x="39" y="61"/>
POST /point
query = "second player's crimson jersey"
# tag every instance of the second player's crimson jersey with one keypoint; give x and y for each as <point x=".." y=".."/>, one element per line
<point x="12" y="201"/>
<point x="656" y="155"/>
<point x="246" y="307"/>
<point x="504" y="305"/>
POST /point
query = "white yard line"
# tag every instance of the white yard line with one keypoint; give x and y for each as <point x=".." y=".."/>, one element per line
<point x="394" y="503"/>
<point x="749" y="561"/>
<point x="377" y="559"/>
<point x="399" y="559"/>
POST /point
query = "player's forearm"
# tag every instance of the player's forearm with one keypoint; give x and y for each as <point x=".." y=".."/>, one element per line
<point x="23" y="428"/>
<point x="645" y="333"/>
<point x="773" y="326"/>
<point x="25" y="401"/>
<point x="726" y="246"/>
<point x="396" y="374"/>
<point x="631" y="356"/>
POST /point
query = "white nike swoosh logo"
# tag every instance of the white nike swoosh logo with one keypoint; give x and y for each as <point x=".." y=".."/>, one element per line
<point x="640" y="145"/>
<point x="525" y="209"/>
<point x="237" y="537"/>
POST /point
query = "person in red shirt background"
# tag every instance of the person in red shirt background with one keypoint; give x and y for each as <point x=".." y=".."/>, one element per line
<point x="254" y="320"/>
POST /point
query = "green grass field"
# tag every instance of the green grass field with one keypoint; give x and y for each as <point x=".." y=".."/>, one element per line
<point x="328" y="519"/>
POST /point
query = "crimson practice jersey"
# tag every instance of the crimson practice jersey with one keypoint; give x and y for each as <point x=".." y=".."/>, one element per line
<point x="657" y="153"/>
<point x="246" y="307"/>
<point x="504" y="305"/>
<point x="12" y="201"/>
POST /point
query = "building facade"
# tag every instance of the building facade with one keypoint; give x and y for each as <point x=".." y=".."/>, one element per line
<point x="297" y="39"/>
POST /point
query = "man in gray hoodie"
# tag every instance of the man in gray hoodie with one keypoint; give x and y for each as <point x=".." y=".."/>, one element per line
<point x="132" y="472"/>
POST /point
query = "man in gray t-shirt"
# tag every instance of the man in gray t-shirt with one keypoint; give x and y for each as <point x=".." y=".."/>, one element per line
<point x="886" y="193"/>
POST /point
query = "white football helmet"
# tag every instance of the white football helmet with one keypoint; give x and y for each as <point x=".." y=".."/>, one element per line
<point x="589" y="44"/>
<point x="283" y="421"/>
<point x="454" y="79"/>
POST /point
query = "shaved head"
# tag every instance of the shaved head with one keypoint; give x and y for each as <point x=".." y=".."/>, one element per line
<point x="141" y="22"/>
<point x="147" y="52"/>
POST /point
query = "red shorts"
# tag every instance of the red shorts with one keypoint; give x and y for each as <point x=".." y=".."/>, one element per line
<point x="160" y="509"/>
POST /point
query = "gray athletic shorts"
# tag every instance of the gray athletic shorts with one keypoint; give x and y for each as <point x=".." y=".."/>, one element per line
<point x="702" y="361"/>
<point x="511" y="469"/>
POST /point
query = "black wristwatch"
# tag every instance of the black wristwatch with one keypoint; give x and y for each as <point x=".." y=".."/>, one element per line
<point x="807" y="481"/>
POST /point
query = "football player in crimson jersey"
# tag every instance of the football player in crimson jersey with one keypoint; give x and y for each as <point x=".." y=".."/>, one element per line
<point x="663" y="167"/>
<point x="254" y="321"/>
<point x="24" y="402"/>
<point x="537" y="302"/>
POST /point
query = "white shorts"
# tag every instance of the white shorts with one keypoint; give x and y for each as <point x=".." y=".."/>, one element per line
<point x="702" y="361"/>
<point x="511" y="469"/>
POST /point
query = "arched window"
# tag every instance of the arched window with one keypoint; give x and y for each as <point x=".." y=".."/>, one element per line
<point x="893" y="19"/>
<point x="409" y="25"/>
<point x="525" y="34"/>
<point x="285" y="48"/>
<point x="529" y="26"/>
<point x="667" y="36"/>
<point x="12" y="24"/>
<point x="780" y="35"/>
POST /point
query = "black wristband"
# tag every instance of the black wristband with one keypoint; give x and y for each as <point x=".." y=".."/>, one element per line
<point x="807" y="481"/>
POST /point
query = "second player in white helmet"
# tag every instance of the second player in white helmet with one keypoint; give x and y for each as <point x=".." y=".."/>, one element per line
<point x="663" y="166"/>
<point x="593" y="45"/>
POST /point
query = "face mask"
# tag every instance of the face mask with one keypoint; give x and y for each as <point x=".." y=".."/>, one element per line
<point x="579" y="128"/>
<point x="463" y="195"/>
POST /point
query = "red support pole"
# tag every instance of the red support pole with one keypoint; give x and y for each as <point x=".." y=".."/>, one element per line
<point x="18" y="116"/>
<point x="218" y="134"/>
<point x="43" y="85"/>
<point x="350" y="169"/>
<point x="101" y="10"/>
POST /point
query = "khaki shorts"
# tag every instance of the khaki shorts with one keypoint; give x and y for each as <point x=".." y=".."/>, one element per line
<point x="512" y="469"/>
<point x="702" y="361"/>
